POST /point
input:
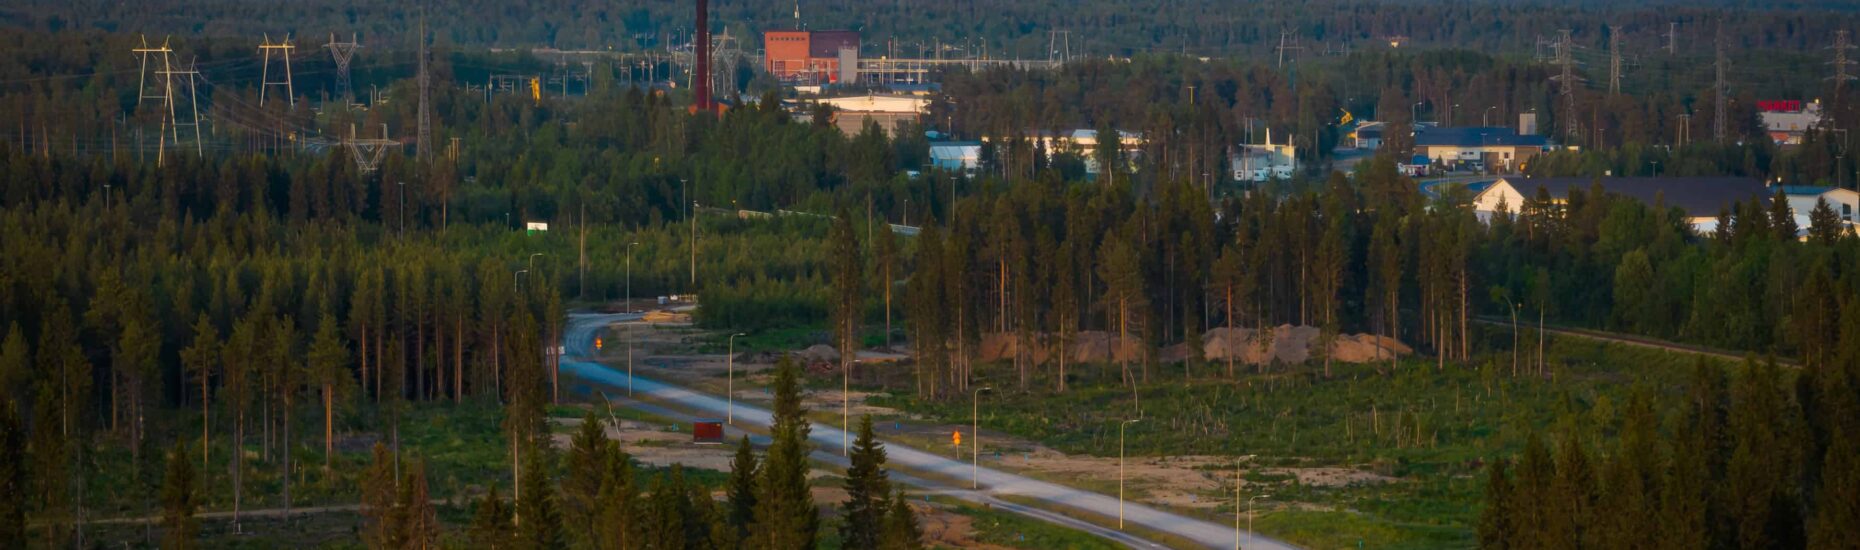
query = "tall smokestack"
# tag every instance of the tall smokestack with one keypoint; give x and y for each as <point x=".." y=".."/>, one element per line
<point x="702" y="82"/>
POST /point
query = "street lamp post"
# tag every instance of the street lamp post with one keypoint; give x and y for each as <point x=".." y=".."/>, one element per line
<point x="730" y="389"/>
<point x="975" y="437"/>
<point x="1414" y="114"/>
<point x="1237" y="488"/>
<point x="629" y="276"/>
<point x="629" y="360"/>
<point x="1120" y="470"/>
<point x="1488" y="111"/>
<point x="531" y="262"/>
<point x="1249" y="512"/>
<point x="106" y="197"/>
<point x="515" y="277"/>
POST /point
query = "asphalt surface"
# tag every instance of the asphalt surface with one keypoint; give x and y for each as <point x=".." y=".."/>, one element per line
<point x="992" y="483"/>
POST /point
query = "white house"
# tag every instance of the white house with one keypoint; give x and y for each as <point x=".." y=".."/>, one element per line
<point x="889" y="111"/>
<point x="1082" y="141"/>
<point x="956" y="156"/>
<point x="1701" y="199"/>
<point x="1266" y="161"/>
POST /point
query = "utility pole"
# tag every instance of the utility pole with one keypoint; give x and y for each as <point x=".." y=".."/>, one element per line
<point x="1841" y="62"/>
<point x="1685" y="129"/>
<point x="343" y="52"/>
<point x="425" y="136"/>
<point x="1614" y="60"/>
<point x="1565" y="58"/>
<point x="1672" y="38"/>
<point x="265" y="82"/>
<point x="1719" y="89"/>
<point x="1286" y="43"/>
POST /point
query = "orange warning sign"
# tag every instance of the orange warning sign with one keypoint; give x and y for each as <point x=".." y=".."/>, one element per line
<point x="597" y="343"/>
<point x="955" y="438"/>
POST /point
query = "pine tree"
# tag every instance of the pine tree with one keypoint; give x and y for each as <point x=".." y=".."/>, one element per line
<point x="740" y="490"/>
<point x="420" y="526"/>
<point x="1496" y="526"/>
<point x="586" y="470"/>
<point x="901" y="530"/>
<point x="1824" y="225"/>
<point x="1570" y="513"/>
<point x="379" y="499"/>
<point x="785" y="514"/>
<point x="1120" y="265"/>
<point x="200" y="358"/>
<point x="668" y="512"/>
<point x="490" y="524"/>
<point x="1836" y="523"/>
<point x="329" y="370"/>
<point x="15" y="363"/>
<point x="863" y="513"/>
<point x="12" y="472"/>
<point x="1530" y="515"/>
<point x="180" y="498"/>
<point x="848" y="287"/>
<point x="539" y="522"/>
<point x="619" y="521"/>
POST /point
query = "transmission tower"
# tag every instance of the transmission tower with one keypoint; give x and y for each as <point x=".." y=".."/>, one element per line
<point x="1841" y="62"/>
<point x="142" y="89"/>
<point x="265" y="82"/>
<point x="425" y="137"/>
<point x="343" y="52"/>
<point x="368" y="152"/>
<point x="1566" y="58"/>
<point x="1058" y="47"/>
<point x="1719" y="89"/>
<point x="193" y="104"/>
<point x="1614" y="60"/>
<point x="1287" y="42"/>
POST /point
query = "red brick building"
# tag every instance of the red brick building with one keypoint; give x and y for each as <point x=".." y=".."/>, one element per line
<point x="818" y="57"/>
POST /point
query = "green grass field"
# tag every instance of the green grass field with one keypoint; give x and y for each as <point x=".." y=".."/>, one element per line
<point x="1431" y="429"/>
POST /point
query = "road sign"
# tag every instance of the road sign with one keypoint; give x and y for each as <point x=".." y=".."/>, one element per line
<point x="955" y="438"/>
<point x="597" y="344"/>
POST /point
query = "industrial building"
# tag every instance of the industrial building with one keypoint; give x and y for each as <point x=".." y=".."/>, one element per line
<point x="890" y="112"/>
<point x="811" y="57"/>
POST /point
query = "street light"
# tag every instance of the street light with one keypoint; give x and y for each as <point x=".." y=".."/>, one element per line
<point x="1237" y="489"/>
<point x="1249" y="512"/>
<point x="730" y="390"/>
<point x="975" y="437"/>
<point x="1414" y="114"/>
<point x="629" y="276"/>
<point x="1488" y="111"/>
<point x="629" y="359"/>
<point x="532" y="260"/>
<point x="514" y="277"/>
<point x="1120" y="470"/>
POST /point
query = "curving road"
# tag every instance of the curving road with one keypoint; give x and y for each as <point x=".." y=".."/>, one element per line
<point x="994" y="483"/>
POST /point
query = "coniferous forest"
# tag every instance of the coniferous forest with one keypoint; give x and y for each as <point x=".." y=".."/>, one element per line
<point x="244" y="319"/>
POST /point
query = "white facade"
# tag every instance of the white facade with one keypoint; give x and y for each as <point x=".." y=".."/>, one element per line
<point x="879" y="104"/>
<point x="1258" y="163"/>
<point x="1504" y="197"/>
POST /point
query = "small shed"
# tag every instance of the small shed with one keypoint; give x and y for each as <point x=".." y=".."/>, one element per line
<point x="707" y="431"/>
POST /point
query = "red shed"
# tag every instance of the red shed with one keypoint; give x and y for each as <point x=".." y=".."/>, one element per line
<point x="707" y="432"/>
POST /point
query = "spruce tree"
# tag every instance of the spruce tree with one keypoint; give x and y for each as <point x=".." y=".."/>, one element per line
<point x="539" y="522"/>
<point x="420" y="524"/>
<point x="740" y="490"/>
<point x="619" y="522"/>
<point x="667" y="511"/>
<point x="863" y="513"/>
<point x="379" y="499"/>
<point x="12" y="473"/>
<point x="785" y="518"/>
<point x="490" y="524"/>
<point x="586" y="470"/>
<point x="901" y="530"/>
<point x="180" y="498"/>
<point x="1836" y="523"/>
<point x="1496" y="527"/>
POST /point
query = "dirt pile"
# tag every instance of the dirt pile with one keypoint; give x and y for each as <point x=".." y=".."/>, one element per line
<point x="1284" y="344"/>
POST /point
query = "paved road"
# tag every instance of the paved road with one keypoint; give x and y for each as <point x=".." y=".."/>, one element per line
<point x="580" y="335"/>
